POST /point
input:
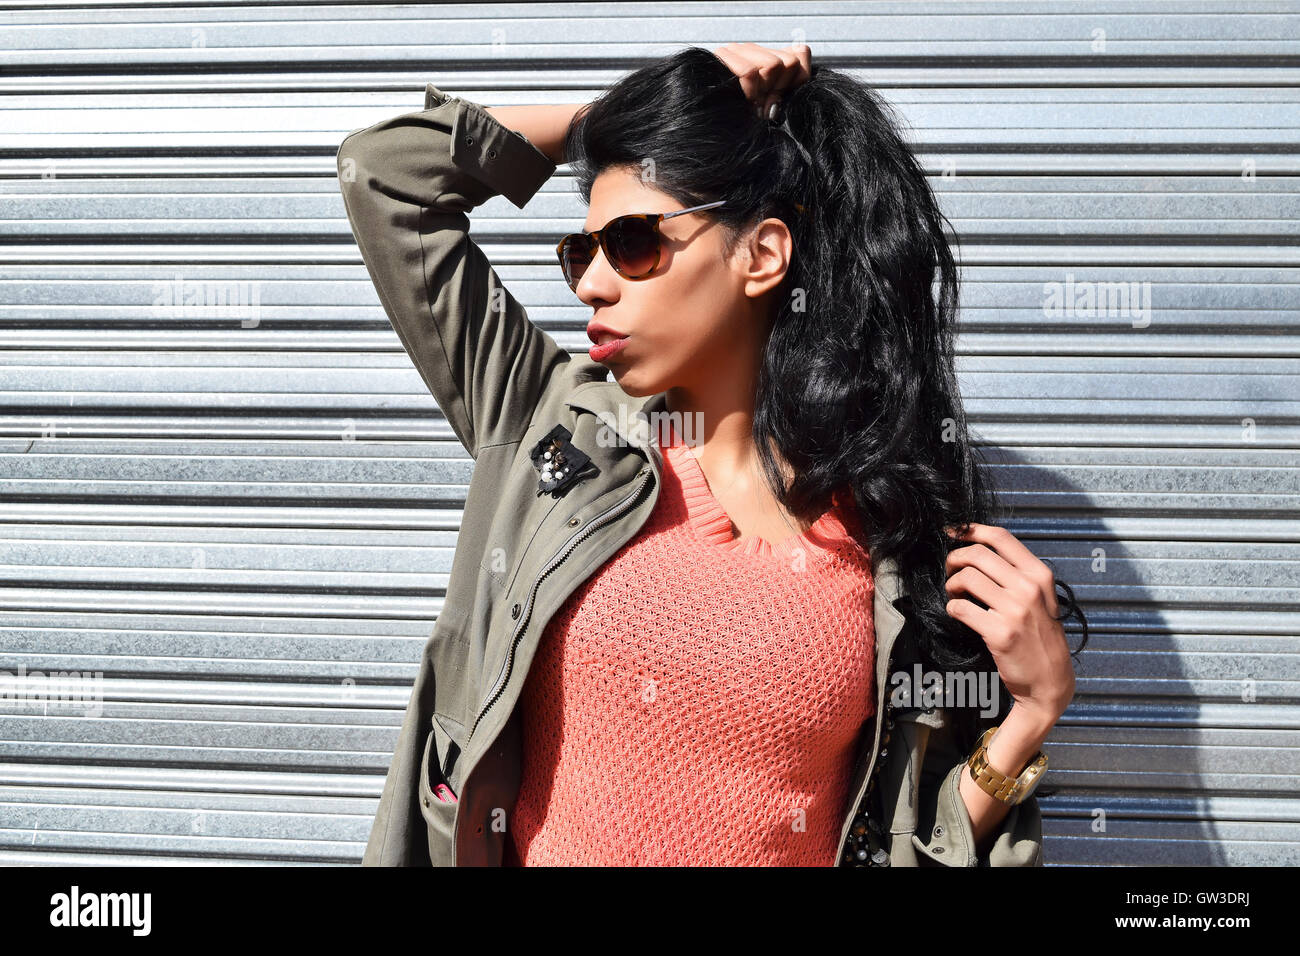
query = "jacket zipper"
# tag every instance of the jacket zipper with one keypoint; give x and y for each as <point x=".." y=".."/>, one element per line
<point x="600" y="521"/>
<point x="847" y="825"/>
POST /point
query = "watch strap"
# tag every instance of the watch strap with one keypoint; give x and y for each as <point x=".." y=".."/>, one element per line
<point x="1010" y="790"/>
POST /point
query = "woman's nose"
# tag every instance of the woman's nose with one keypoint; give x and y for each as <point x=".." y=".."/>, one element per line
<point x="598" y="279"/>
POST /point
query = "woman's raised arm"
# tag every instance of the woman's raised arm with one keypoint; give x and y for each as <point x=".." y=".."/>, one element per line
<point x="408" y="184"/>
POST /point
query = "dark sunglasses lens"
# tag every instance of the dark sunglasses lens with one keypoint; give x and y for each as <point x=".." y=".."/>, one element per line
<point x="633" y="244"/>
<point x="574" y="258"/>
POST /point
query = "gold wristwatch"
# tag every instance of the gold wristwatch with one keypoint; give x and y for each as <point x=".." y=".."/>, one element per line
<point x="1010" y="790"/>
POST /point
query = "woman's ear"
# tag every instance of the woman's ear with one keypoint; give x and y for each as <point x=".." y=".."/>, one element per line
<point x="769" y="250"/>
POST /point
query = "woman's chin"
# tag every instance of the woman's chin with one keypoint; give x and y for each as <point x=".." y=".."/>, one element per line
<point x="634" y="384"/>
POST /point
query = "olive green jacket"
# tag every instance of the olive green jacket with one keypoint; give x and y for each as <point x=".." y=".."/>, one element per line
<point x="502" y="383"/>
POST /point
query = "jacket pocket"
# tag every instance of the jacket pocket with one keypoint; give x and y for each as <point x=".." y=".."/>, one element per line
<point x="439" y="800"/>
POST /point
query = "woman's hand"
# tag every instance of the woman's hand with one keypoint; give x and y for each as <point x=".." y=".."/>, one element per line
<point x="765" y="74"/>
<point x="1027" y="643"/>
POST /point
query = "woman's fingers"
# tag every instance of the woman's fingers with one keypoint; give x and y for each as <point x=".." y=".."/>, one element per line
<point x="803" y="54"/>
<point x="1006" y="561"/>
<point x="754" y="65"/>
<point x="764" y="74"/>
<point x="796" y="68"/>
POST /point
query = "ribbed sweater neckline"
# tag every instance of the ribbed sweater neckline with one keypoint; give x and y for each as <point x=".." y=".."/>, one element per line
<point x="713" y="525"/>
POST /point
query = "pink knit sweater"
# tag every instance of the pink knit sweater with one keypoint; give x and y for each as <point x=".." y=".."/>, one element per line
<point x="698" y="700"/>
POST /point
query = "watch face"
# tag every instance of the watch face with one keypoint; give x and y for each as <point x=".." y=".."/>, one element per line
<point x="1031" y="775"/>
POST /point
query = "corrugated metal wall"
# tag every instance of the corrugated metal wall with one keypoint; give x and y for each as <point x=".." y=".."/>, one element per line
<point x="225" y="487"/>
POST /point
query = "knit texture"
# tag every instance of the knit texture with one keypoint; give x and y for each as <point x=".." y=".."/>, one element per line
<point x="699" y="699"/>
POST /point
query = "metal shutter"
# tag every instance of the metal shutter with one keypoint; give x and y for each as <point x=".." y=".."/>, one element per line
<point x="246" y="524"/>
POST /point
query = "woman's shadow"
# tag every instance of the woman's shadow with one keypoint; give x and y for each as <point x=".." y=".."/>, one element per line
<point x="1150" y="756"/>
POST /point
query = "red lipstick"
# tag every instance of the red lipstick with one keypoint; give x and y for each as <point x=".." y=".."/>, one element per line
<point x="600" y="353"/>
<point x="605" y="341"/>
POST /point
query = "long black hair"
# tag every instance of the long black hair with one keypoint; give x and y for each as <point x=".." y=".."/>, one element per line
<point x="857" y="385"/>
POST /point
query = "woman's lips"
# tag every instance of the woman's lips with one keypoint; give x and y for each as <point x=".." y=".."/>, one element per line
<point x="599" y="353"/>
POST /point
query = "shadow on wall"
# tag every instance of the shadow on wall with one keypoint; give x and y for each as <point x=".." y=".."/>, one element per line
<point x="1165" y="756"/>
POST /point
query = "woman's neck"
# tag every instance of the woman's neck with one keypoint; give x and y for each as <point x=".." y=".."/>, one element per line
<point x="724" y="447"/>
<point x="721" y="426"/>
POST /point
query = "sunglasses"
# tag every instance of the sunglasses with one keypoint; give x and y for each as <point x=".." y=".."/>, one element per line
<point x="631" y="243"/>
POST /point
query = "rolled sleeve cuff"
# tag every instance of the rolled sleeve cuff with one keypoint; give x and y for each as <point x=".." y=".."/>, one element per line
<point x="1019" y="841"/>
<point x="502" y="159"/>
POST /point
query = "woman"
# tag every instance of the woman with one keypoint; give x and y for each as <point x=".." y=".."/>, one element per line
<point x="673" y="647"/>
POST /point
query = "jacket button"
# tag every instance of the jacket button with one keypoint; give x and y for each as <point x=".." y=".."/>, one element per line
<point x="469" y="140"/>
<point x="426" y="801"/>
<point x="938" y="849"/>
<point x="573" y="522"/>
<point x="514" y="612"/>
<point x="938" y="831"/>
<point x="492" y="154"/>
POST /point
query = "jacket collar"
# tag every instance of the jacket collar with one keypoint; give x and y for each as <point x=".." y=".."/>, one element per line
<point x="621" y="411"/>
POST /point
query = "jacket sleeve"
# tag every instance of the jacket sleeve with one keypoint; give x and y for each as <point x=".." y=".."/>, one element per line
<point x="944" y="834"/>
<point x="408" y="183"/>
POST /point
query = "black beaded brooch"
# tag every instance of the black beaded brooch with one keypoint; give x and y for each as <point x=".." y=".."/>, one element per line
<point x="560" y="462"/>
